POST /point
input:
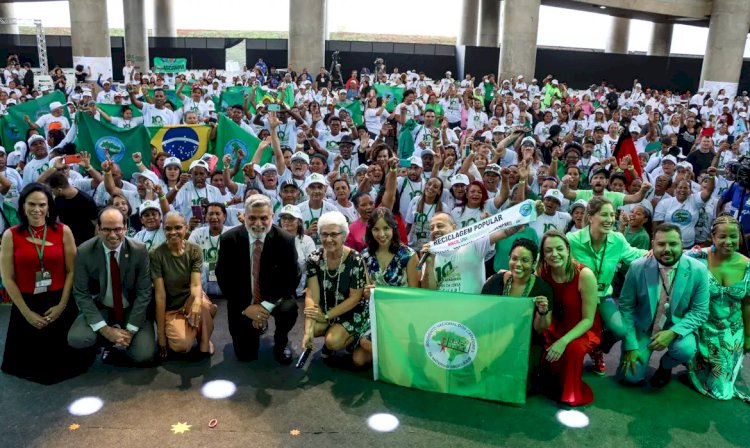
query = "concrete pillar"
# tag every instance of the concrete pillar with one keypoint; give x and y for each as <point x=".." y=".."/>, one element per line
<point x="307" y="31"/>
<point x="489" y="23"/>
<point x="661" y="40"/>
<point x="619" y="33"/>
<point x="467" y="34"/>
<point x="520" y="19"/>
<point x="136" y="35"/>
<point x="8" y="11"/>
<point x="89" y="31"/>
<point x="727" y="35"/>
<point x="164" y="19"/>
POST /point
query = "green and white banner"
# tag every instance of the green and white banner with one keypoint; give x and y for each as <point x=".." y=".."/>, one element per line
<point x="461" y="344"/>
<point x="170" y="65"/>
<point x="517" y="215"/>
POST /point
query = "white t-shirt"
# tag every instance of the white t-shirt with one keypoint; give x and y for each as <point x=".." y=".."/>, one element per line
<point x="476" y="120"/>
<point x="47" y="119"/>
<point x="34" y="168"/>
<point x="188" y="196"/>
<point x="151" y="238"/>
<point x="419" y="234"/>
<point x="408" y="190"/>
<point x="350" y="213"/>
<point x="127" y="124"/>
<point x="199" y="107"/>
<point x="542" y="131"/>
<point x="452" y="109"/>
<point x="106" y="97"/>
<point x="374" y="122"/>
<point x="684" y="215"/>
<point x="310" y="216"/>
<point x="462" y="270"/>
<point x="210" y="247"/>
<point x="16" y="185"/>
<point x="157" y="117"/>
<point x="412" y="112"/>
<point x="545" y="222"/>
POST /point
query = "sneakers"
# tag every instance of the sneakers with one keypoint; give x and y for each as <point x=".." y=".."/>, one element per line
<point x="598" y="366"/>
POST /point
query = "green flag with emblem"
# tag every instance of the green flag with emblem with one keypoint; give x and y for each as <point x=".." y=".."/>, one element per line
<point x="13" y="124"/>
<point x="461" y="344"/>
<point x="103" y="140"/>
<point x="393" y="94"/>
<point x="230" y="139"/>
<point x="355" y="110"/>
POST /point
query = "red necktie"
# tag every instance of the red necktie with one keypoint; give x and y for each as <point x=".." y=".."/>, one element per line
<point x="114" y="276"/>
<point x="257" y="249"/>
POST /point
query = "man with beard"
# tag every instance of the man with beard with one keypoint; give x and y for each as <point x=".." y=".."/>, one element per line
<point x="261" y="250"/>
<point x="460" y="270"/>
<point x="412" y="185"/>
<point x="599" y="181"/>
<point x="40" y="163"/>
<point x="428" y="162"/>
<point x="316" y="187"/>
<point x="664" y="301"/>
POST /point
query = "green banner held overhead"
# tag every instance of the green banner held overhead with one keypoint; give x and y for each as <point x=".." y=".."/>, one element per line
<point x="355" y="110"/>
<point x="13" y="124"/>
<point x="102" y="140"/>
<point x="391" y="94"/>
<point x="230" y="139"/>
<point x="461" y="344"/>
<point x="170" y="65"/>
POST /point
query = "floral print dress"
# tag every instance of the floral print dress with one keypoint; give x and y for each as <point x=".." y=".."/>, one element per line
<point x="716" y="366"/>
<point x="334" y="288"/>
<point x="392" y="275"/>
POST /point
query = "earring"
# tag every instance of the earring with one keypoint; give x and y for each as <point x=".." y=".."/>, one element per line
<point x="713" y="249"/>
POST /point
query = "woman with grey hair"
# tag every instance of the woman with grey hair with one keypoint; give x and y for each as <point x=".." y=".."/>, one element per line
<point x="334" y="304"/>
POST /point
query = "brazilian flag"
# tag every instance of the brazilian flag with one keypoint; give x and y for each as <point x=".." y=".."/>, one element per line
<point x="186" y="142"/>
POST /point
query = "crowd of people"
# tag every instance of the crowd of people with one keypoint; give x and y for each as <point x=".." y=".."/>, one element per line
<point x="643" y="251"/>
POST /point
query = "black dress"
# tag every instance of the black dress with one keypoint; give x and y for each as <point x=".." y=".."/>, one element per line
<point x="495" y="285"/>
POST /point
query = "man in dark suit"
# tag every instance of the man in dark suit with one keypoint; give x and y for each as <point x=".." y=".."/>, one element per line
<point x="112" y="288"/>
<point x="258" y="274"/>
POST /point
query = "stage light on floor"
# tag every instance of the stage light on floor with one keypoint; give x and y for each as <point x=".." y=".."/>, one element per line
<point x="218" y="389"/>
<point x="383" y="422"/>
<point x="86" y="406"/>
<point x="573" y="419"/>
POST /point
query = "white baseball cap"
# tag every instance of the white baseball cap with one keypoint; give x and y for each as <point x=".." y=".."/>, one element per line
<point x="301" y="156"/>
<point x="148" y="205"/>
<point x="55" y="105"/>
<point x="669" y="159"/>
<point x="268" y="167"/>
<point x="35" y="138"/>
<point x="316" y="178"/>
<point x="169" y="161"/>
<point x="414" y="160"/>
<point x="291" y="209"/>
<point x="362" y="168"/>
<point x="200" y="163"/>
<point x="498" y="129"/>
<point x="554" y="82"/>
<point x="460" y="179"/>
<point x="554" y="194"/>
<point x="148" y="174"/>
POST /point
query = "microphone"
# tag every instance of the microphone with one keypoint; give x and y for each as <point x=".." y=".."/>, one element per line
<point x="303" y="358"/>
<point x="422" y="260"/>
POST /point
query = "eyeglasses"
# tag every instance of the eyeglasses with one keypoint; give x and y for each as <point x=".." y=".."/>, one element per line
<point x="333" y="235"/>
<point x="108" y="230"/>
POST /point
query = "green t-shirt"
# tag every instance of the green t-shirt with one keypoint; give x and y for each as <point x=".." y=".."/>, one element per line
<point x="489" y="92"/>
<point x="437" y="108"/>
<point x="638" y="239"/>
<point x="175" y="271"/>
<point x="618" y="199"/>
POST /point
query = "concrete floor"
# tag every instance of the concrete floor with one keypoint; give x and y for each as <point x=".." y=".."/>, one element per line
<point x="331" y="406"/>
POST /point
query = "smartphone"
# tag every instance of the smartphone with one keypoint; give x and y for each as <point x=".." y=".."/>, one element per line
<point x="274" y="107"/>
<point x="75" y="158"/>
<point x="197" y="212"/>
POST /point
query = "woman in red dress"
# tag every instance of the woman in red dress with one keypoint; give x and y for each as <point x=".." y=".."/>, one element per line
<point x="575" y="328"/>
<point x="37" y="260"/>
